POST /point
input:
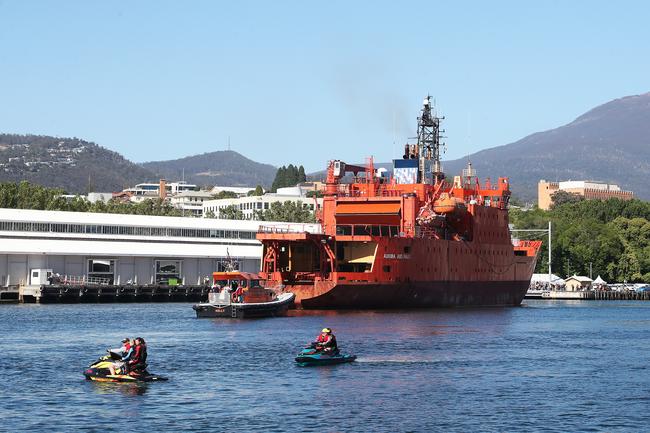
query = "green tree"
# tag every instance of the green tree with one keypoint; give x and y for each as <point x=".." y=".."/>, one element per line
<point x="288" y="176"/>
<point x="562" y="197"/>
<point x="288" y="211"/>
<point x="225" y="194"/>
<point x="258" y="191"/>
<point x="231" y="212"/>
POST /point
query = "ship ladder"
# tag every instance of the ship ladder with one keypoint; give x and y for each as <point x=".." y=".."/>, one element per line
<point x="233" y="311"/>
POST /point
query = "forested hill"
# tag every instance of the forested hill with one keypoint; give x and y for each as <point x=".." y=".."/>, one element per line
<point x="610" y="143"/>
<point x="73" y="164"/>
<point x="224" y="167"/>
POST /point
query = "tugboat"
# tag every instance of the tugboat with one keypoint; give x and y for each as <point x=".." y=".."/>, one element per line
<point x="238" y="295"/>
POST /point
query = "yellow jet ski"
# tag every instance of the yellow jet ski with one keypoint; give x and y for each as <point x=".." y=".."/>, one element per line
<point x="99" y="371"/>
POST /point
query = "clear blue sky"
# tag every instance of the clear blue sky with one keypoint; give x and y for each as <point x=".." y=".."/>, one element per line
<point x="304" y="82"/>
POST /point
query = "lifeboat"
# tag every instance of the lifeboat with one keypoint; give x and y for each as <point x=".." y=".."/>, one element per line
<point x="446" y="204"/>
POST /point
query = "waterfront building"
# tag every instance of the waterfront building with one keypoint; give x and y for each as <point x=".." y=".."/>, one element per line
<point x="590" y="190"/>
<point x="190" y="202"/>
<point x="162" y="189"/>
<point x="251" y="205"/>
<point x="121" y="249"/>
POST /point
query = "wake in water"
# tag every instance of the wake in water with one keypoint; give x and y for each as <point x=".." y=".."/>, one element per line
<point x="397" y="359"/>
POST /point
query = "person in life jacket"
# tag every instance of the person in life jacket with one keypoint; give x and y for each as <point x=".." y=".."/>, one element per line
<point x="326" y="342"/>
<point x="127" y="346"/>
<point x="137" y="361"/>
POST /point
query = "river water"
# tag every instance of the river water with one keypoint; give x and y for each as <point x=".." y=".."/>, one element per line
<point x="548" y="365"/>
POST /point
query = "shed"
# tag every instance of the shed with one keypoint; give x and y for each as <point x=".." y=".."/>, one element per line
<point x="576" y="283"/>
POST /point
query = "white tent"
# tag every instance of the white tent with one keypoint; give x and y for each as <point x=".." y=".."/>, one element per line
<point x="600" y="281"/>
<point x="543" y="279"/>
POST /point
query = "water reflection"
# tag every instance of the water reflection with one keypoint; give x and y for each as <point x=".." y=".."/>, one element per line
<point x="128" y="389"/>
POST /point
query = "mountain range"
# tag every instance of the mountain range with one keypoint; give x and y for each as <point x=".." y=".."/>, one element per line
<point x="80" y="166"/>
<point x="224" y="167"/>
<point x="609" y="143"/>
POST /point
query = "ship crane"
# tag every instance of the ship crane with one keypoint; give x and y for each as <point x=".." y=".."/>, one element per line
<point x="337" y="169"/>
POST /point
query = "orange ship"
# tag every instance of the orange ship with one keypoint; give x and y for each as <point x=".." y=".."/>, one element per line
<point x="413" y="239"/>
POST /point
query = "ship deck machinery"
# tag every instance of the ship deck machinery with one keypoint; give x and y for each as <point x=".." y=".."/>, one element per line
<point x="411" y="240"/>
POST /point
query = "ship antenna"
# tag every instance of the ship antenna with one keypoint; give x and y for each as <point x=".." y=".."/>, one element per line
<point x="429" y="144"/>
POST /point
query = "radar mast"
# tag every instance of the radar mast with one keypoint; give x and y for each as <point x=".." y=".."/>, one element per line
<point x="430" y="168"/>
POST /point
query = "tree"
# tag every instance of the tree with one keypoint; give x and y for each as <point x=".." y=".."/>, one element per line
<point x="231" y="212"/>
<point x="288" y="176"/>
<point x="259" y="191"/>
<point x="225" y="194"/>
<point x="562" y="197"/>
<point x="289" y="211"/>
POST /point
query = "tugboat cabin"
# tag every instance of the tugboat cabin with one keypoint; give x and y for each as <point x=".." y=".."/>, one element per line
<point x="249" y="283"/>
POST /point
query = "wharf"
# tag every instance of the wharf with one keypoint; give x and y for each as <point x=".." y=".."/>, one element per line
<point x="47" y="294"/>
<point x="598" y="295"/>
<point x="628" y="295"/>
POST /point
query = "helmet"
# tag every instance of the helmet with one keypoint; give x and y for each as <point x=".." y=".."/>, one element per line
<point x="326" y="330"/>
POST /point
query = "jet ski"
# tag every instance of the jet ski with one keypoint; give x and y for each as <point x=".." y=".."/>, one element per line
<point x="99" y="371"/>
<point x="312" y="357"/>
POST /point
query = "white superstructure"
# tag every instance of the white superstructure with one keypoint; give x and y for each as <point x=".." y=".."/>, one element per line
<point x="122" y="248"/>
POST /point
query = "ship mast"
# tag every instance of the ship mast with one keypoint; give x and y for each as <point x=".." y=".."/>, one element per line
<point x="429" y="145"/>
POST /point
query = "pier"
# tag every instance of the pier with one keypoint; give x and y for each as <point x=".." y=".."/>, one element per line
<point x="628" y="295"/>
<point x="597" y="295"/>
<point x="49" y="294"/>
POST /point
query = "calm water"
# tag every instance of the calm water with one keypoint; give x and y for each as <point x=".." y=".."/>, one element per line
<point x="552" y="366"/>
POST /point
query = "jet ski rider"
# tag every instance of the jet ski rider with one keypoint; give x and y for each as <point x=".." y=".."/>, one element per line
<point x="138" y="358"/>
<point x="326" y="342"/>
<point x="125" y="350"/>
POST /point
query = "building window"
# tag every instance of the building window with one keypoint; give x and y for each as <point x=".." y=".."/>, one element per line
<point x="168" y="272"/>
<point x="101" y="271"/>
<point x="122" y="230"/>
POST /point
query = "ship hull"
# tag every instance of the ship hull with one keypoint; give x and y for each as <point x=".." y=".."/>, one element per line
<point x="423" y="294"/>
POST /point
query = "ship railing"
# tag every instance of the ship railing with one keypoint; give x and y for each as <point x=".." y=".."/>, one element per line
<point x="291" y="228"/>
<point x="379" y="193"/>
